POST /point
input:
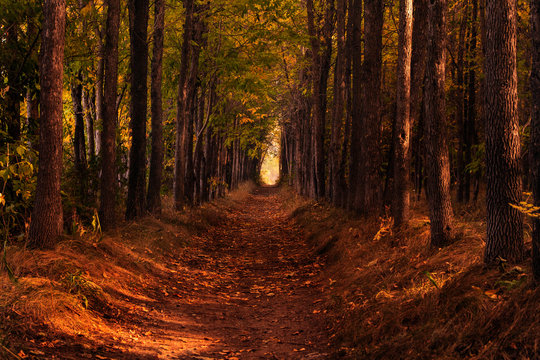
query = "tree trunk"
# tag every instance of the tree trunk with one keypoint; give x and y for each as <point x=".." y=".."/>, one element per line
<point x="437" y="163"/>
<point x="535" y="133"/>
<point x="109" y="117"/>
<point x="190" y="109"/>
<point x="89" y="124"/>
<point x="504" y="223"/>
<point x="369" y="192"/>
<point x="338" y="110"/>
<point x="459" y="104"/>
<point x="321" y="52"/>
<point x="47" y="218"/>
<point x="156" y="159"/>
<point x="138" y="16"/>
<point x="401" y="201"/>
<point x="355" y="28"/>
<point x="179" y="163"/>
<point x="79" y="145"/>
<point x="418" y="66"/>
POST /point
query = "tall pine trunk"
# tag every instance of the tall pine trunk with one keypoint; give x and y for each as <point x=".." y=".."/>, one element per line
<point x="401" y="203"/>
<point x="179" y="156"/>
<point x="437" y="163"/>
<point x="156" y="158"/>
<point x="47" y="217"/>
<point x="79" y="144"/>
<point x="535" y="126"/>
<point x="504" y="223"/>
<point x="369" y="190"/>
<point x="355" y="54"/>
<point x="107" y="209"/>
<point x="338" y="110"/>
<point x="138" y="26"/>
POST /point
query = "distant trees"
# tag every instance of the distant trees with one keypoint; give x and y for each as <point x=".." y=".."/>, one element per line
<point x="424" y="114"/>
<point x="366" y="104"/>
<point x="47" y="215"/>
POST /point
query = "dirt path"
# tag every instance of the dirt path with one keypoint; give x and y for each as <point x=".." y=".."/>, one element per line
<point x="259" y="299"/>
<point x="247" y="289"/>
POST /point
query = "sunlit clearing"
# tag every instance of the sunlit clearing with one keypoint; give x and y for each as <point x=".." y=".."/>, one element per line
<point x="270" y="165"/>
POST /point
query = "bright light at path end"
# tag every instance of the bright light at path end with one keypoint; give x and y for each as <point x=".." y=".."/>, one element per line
<point x="270" y="169"/>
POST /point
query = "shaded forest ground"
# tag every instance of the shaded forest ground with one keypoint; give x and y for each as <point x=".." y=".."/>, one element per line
<point x="265" y="274"/>
<point x="234" y="279"/>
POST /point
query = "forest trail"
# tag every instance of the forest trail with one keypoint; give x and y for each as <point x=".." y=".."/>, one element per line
<point x="246" y="289"/>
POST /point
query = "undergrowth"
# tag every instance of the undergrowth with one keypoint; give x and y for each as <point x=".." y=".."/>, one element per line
<point x="91" y="281"/>
<point x="394" y="297"/>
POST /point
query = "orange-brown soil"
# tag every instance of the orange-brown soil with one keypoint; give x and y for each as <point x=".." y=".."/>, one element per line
<point x="247" y="287"/>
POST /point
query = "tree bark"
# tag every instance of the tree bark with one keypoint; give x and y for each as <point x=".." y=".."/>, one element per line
<point x="355" y="29"/>
<point x="338" y="110"/>
<point x="79" y="144"/>
<point x="437" y="163"/>
<point x="138" y="15"/>
<point x="321" y="52"/>
<point x="89" y="124"/>
<point x="179" y="163"/>
<point x="47" y="218"/>
<point x="369" y="191"/>
<point x="535" y="127"/>
<point x="504" y="223"/>
<point x="401" y="201"/>
<point x="156" y="159"/>
<point x="107" y="210"/>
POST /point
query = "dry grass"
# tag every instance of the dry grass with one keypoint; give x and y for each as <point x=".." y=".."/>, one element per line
<point x="74" y="290"/>
<point x="397" y="298"/>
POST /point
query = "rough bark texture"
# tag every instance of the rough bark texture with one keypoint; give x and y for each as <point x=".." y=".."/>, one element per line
<point x="156" y="159"/>
<point x="355" y="33"/>
<point x="338" y="110"/>
<point x="418" y="66"/>
<point x="138" y="16"/>
<point x="79" y="144"/>
<point x="504" y="223"/>
<point x="109" y="115"/>
<point x="369" y="192"/>
<point x="535" y="126"/>
<point x="190" y="109"/>
<point x="47" y="218"/>
<point x="437" y="163"/>
<point x="89" y="124"/>
<point x="400" y="208"/>
<point x="321" y="51"/>
<point x="179" y="163"/>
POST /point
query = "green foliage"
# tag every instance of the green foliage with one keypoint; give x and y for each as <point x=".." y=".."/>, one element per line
<point x="80" y="286"/>
<point x="17" y="184"/>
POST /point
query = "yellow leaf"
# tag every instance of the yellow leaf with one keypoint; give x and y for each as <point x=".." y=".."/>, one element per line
<point x="491" y="294"/>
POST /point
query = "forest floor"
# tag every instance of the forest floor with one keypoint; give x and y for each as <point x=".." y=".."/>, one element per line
<point x="267" y="274"/>
<point x="244" y="287"/>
